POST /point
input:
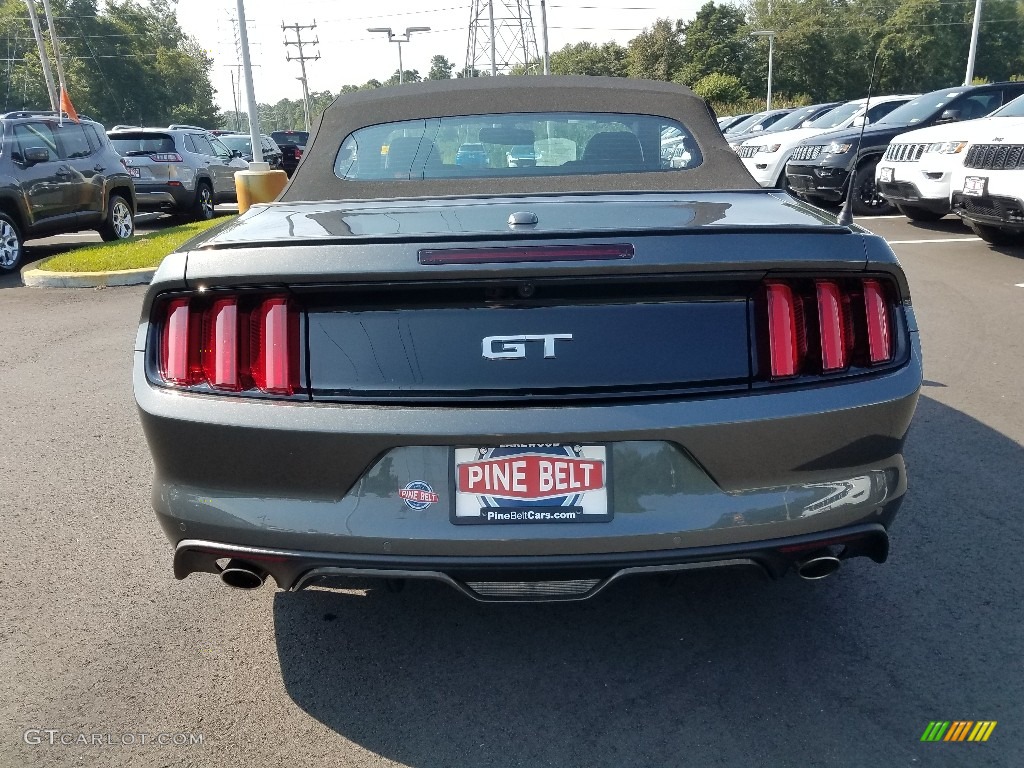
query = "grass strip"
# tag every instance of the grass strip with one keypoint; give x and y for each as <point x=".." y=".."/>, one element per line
<point x="135" y="253"/>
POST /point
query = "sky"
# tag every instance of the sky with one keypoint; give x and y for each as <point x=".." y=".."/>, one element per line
<point x="350" y="54"/>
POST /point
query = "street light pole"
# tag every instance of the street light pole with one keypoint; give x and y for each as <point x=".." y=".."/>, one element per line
<point x="973" y="53"/>
<point x="403" y="38"/>
<point x="770" y="34"/>
<point x="250" y="92"/>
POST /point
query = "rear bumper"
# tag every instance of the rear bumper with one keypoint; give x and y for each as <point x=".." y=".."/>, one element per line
<point x="562" y="577"/>
<point x="152" y="197"/>
<point x="690" y="474"/>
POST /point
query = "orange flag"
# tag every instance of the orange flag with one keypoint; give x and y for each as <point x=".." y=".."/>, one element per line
<point x="65" y="106"/>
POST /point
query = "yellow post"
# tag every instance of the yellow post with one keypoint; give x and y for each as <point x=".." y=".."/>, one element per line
<point x="258" y="184"/>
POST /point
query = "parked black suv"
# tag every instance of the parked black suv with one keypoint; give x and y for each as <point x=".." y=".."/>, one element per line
<point x="292" y="144"/>
<point x="59" y="178"/>
<point x="820" y="167"/>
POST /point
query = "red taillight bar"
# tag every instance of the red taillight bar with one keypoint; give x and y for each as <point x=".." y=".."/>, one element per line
<point x="216" y="342"/>
<point x="270" y="354"/>
<point x="174" y="344"/>
<point x="877" y="310"/>
<point x="220" y="345"/>
<point x="785" y="351"/>
<point x="831" y="322"/>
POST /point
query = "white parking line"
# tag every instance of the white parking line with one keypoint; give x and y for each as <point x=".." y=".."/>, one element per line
<point x="939" y="240"/>
<point x="1019" y="285"/>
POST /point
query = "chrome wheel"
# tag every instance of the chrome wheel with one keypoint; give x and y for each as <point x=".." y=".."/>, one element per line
<point x="10" y="246"/>
<point x="121" y="218"/>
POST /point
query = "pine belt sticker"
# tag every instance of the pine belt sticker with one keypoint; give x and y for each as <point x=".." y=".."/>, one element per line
<point x="418" y="495"/>
<point x="531" y="483"/>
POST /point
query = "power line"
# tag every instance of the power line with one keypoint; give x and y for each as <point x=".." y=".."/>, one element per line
<point x="302" y="58"/>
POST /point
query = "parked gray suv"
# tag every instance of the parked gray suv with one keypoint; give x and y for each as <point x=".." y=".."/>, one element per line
<point x="178" y="169"/>
<point x="58" y="176"/>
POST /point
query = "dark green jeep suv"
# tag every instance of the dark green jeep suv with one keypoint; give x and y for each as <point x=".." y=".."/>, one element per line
<point x="59" y="177"/>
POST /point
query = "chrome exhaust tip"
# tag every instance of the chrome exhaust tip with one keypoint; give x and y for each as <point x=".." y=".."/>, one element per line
<point x="241" y="575"/>
<point x="818" y="567"/>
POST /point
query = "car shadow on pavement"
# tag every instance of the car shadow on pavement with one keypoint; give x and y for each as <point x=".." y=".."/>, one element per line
<point x="950" y="225"/>
<point x="717" y="669"/>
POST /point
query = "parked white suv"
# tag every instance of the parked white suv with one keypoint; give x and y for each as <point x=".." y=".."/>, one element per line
<point x="917" y="169"/>
<point x="987" y="191"/>
<point x="766" y="156"/>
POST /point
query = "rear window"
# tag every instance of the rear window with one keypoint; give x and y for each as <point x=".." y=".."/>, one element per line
<point x="563" y="144"/>
<point x="290" y="137"/>
<point x="134" y="144"/>
<point x="242" y="144"/>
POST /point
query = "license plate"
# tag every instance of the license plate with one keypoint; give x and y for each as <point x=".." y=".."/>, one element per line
<point x="531" y="483"/>
<point x="885" y="174"/>
<point x="974" y="186"/>
<point x="135" y="173"/>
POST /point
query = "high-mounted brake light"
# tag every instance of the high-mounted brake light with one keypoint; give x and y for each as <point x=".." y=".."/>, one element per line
<point x="166" y="157"/>
<point x="877" y="310"/>
<point x="231" y="343"/>
<point x="782" y="333"/>
<point x="529" y="253"/>
<point x="832" y="323"/>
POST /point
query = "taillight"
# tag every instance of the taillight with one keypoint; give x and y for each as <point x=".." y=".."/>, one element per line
<point x="298" y="153"/>
<point x="274" y="336"/>
<point x="166" y="157"/>
<point x="877" y="310"/>
<point x="175" y="367"/>
<point x="231" y="343"/>
<point x="832" y="322"/>
<point x="220" y="345"/>
<point x="782" y="333"/>
<point x="826" y="326"/>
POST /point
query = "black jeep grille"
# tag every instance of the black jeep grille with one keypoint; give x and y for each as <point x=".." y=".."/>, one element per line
<point x="809" y="152"/>
<point x="995" y="157"/>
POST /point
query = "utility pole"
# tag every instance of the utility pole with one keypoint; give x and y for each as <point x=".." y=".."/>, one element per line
<point x="43" y="57"/>
<point x="56" y="47"/>
<point x="302" y="59"/>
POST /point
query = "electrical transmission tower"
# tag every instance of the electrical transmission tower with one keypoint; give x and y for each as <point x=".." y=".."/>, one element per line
<point x="501" y="37"/>
<point x="302" y="58"/>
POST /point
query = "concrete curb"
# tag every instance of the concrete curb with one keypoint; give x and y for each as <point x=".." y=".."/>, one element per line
<point x="39" y="278"/>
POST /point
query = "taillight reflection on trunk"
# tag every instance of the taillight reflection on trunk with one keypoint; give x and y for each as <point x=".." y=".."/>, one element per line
<point x="826" y="326"/>
<point x="231" y="344"/>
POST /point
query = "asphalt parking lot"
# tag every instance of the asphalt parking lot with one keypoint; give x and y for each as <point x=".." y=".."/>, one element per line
<point x="714" y="670"/>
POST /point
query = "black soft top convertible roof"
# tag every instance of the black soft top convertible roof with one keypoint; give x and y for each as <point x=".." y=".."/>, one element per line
<point x="315" y="178"/>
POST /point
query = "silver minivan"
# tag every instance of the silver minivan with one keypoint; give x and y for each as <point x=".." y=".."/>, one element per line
<point x="180" y="170"/>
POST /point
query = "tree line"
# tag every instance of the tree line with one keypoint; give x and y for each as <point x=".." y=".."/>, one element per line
<point x="127" y="61"/>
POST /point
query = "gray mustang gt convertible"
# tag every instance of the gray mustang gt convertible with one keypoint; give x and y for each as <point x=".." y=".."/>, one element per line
<point x="525" y="380"/>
